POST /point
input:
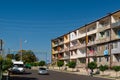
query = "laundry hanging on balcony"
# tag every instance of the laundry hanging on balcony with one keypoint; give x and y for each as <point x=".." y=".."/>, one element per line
<point x="106" y="52"/>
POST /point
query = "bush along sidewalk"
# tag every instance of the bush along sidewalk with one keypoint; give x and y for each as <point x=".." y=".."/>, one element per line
<point x="116" y="69"/>
<point x="92" y="66"/>
<point x="103" y="68"/>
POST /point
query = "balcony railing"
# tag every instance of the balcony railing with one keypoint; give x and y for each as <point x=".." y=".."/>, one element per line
<point x="54" y="45"/>
<point x="115" y="37"/>
<point x="62" y="50"/>
<point x="55" y="52"/>
<point x="102" y="40"/>
<point x="92" y="32"/>
<point x="66" y="57"/>
<point x="92" y="53"/>
<point x="103" y="28"/>
<point x="66" y="49"/>
<point x="81" y="35"/>
<point x="74" y="47"/>
<point x="73" y="56"/>
<point x="81" y="45"/>
<point x="91" y="43"/>
<point x="61" y="42"/>
<point x="114" y="25"/>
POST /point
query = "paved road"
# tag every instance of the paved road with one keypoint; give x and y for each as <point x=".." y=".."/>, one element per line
<point x="32" y="75"/>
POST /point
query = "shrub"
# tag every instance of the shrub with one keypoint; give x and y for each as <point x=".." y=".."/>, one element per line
<point x="103" y="68"/>
<point x="60" y="64"/>
<point x="116" y="69"/>
<point x="41" y="63"/>
<point x="72" y="64"/>
<point x="92" y="65"/>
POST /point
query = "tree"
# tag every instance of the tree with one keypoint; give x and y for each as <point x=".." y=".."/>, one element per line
<point x="10" y="56"/>
<point x="6" y="64"/>
<point x="92" y="66"/>
<point x="103" y="68"/>
<point x="27" y="56"/>
<point x="60" y="64"/>
<point x="72" y="64"/>
<point x="116" y="69"/>
<point x="17" y="57"/>
<point x="42" y="63"/>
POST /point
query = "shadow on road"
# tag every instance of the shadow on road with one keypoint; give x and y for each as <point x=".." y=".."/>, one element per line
<point x="18" y="78"/>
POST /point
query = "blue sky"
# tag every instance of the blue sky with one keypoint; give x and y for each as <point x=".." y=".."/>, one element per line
<point x="36" y="22"/>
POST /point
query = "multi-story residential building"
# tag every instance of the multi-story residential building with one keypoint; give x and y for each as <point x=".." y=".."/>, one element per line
<point x="97" y="41"/>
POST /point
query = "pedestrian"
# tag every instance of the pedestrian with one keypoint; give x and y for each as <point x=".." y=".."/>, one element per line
<point x="91" y="72"/>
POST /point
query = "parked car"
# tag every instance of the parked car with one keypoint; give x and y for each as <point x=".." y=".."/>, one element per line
<point x="43" y="71"/>
<point x="18" y="67"/>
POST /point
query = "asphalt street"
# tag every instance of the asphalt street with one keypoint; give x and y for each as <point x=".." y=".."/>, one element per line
<point x="53" y="75"/>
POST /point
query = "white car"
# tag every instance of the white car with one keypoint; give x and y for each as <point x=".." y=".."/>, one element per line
<point x="43" y="71"/>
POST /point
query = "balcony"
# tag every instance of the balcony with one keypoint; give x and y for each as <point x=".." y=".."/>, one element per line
<point x="54" y="45"/>
<point x="66" y="49"/>
<point x="92" y="53"/>
<point x="81" y="35"/>
<point x="81" y="46"/>
<point x="102" y="40"/>
<point x="66" y="57"/>
<point x="74" y="57"/>
<point x="115" y="37"/>
<point x="55" y="52"/>
<point x="103" y="27"/>
<point x="62" y="50"/>
<point x="60" y="43"/>
<point x="92" y="32"/>
<point x="114" y="25"/>
<point x="73" y="47"/>
<point x="91" y="43"/>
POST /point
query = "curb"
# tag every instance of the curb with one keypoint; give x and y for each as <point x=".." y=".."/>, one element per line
<point x="78" y="73"/>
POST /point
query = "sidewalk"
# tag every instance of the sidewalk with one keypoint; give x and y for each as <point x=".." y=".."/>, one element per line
<point x="82" y="71"/>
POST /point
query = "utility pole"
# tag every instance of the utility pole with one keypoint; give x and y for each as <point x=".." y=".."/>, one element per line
<point x="1" y="45"/>
<point x="21" y="49"/>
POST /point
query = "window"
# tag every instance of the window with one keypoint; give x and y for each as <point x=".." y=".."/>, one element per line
<point x="115" y="45"/>
<point x="106" y="47"/>
<point x="107" y="34"/>
<point x="99" y="59"/>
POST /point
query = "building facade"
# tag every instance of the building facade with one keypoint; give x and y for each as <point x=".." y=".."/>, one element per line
<point x="97" y="41"/>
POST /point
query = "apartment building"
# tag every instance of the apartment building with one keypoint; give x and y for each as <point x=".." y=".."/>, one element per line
<point x="97" y="41"/>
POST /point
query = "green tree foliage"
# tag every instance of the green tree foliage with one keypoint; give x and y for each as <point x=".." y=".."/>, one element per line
<point x="116" y="69"/>
<point x="92" y="65"/>
<point x="71" y="64"/>
<point x="103" y="68"/>
<point x="60" y="64"/>
<point x="42" y="63"/>
<point x="27" y="56"/>
<point x="1" y="59"/>
<point x="17" y="57"/>
<point x="6" y="64"/>
<point x="10" y="56"/>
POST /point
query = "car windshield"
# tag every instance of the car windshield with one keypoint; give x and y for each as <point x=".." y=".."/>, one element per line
<point x="18" y="65"/>
<point x="42" y="68"/>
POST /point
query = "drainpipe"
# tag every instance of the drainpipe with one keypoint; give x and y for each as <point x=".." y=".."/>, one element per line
<point x="87" y="59"/>
<point x="109" y="14"/>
